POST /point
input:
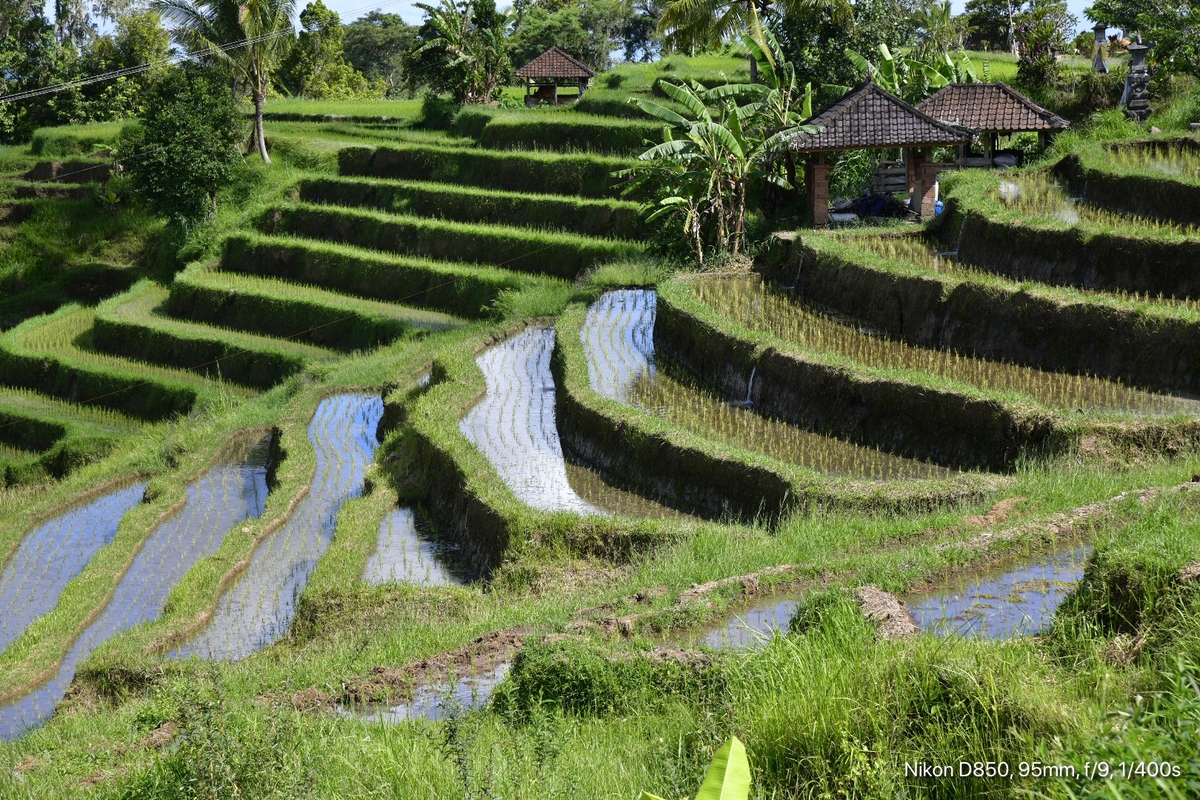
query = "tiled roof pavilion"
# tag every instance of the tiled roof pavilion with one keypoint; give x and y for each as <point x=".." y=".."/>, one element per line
<point x="872" y="118"/>
<point x="555" y="63"/>
<point x="990" y="108"/>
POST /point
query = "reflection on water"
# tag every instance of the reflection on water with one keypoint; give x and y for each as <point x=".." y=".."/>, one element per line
<point x="258" y="609"/>
<point x="1014" y="602"/>
<point x="407" y="554"/>
<point x="440" y="700"/>
<point x="225" y="496"/>
<point x="753" y="627"/>
<point x="54" y="553"/>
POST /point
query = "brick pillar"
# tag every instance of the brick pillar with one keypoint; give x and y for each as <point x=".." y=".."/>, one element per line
<point x="912" y="171"/>
<point x="816" y="179"/>
<point x="928" y="178"/>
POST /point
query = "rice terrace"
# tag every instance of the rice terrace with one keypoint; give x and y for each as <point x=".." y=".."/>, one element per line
<point x="599" y="400"/>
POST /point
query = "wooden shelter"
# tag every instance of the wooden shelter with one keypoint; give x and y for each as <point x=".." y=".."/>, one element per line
<point x="549" y="71"/>
<point x="872" y="118"/>
<point x="991" y="110"/>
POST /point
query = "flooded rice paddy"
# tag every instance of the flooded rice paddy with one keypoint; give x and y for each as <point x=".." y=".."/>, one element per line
<point x="258" y="609"/>
<point x="439" y="700"/>
<point x="1177" y="160"/>
<point x="407" y="553"/>
<point x="54" y="553"/>
<point x="513" y="425"/>
<point x="750" y="302"/>
<point x="1037" y="194"/>
<point x="1010" y="601"/>
<point x="618" y="340"/>
<point x="750" y="628"/>
<point x="223" y="497"/>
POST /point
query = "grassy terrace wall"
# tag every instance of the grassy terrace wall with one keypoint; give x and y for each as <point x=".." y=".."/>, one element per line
<point x="123" y="327"/>
<point x="471" y="504"/>
<point x="539" y="173"/>
<point x="61" y="435"/>
<point x="564" y="131"/>
<point x="299" y="313"/>
<point x="561" y="255"/>
<point x="1006" y="241"/>
<point x="704" y="477"/>
<point x="124" y="389"/>
<point x="1054" y="329"/>
<point x="610" y="218"/>
<point x="1142" y="192"/>
<point x="900" y="411"/>
<point x="453" y="288"/>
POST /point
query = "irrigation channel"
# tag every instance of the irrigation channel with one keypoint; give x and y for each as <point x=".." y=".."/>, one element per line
<point x="407" y="553"/>
<point x="1012" y="600"/>
<point x="439" y="700"/>
<point x="618" y="338"/>
<point x="752" y="627"/>
<point x="54" y="553"/>
<point x="258" y="609"/>
<point x="514" y="427"/>
<point x="227" y="494"/>
<point x="750" y="302"/>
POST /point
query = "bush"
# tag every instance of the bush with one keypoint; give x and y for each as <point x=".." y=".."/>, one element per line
<point x="606" y="103"/>
<point x="437" y="113"/>
<point x="567" y="131"/>
<point x="187" y="145"/>
<point x="471" y="120"/>
<point x="73" y="140"/>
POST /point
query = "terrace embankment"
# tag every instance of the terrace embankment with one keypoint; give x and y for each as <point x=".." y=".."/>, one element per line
<point x="707" y="476"/>
<point x="1026" y="227"/>
<point x="1144" y="344"/>
<point x="822" y="374"/>
<point x="1129" y="178"/>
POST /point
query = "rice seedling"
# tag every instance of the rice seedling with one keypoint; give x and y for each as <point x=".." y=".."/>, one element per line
<point x="259" y="608"/>
<point x="513" y="425"/>
<point x="1038" y="195"/>
<point x="750" y="302"/>
<point x="55" y="552"/>
<point x="1007" y="601"/>
<point x="1178" y="160"/>
<point x="618" y="341"/>
<point x="408" y="553"/>
<point x="40" y="406"/>
<point x="222" y="498"/>
<point x="926" y="255"/>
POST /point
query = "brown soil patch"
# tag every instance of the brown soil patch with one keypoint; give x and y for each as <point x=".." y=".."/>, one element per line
<point x="27" y="763"/>
<point x="1190" y="573"/>
<point x="887" y="612"/>
<point x="997" y="516"/>
<point x="161" y="736"/>
<point x="389" y="684"/>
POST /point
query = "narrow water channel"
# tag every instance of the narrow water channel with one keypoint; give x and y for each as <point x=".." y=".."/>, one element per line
<point x="408" y="554"/>
<point x="439" y="700"/>
<point x="54" y="553"/>
<point x="223" y="497"/>
<point x="259" y="608"/>
<point x="750" y="628"/>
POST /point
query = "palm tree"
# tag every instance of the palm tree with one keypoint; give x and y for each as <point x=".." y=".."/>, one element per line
<point x="251" y="39"/>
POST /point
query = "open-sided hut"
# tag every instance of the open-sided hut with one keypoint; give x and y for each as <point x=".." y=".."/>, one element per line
<point x="991" y="110"/>
<point x="872" y="118"/>
<point x="554" y="68"/>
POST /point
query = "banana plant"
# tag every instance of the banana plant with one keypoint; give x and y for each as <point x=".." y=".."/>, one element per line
<point x="911" y="78"/>
<point x="728" y="776"/>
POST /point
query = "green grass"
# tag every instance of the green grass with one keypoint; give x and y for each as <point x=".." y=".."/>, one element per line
<point x="541" y="173"/>
<point x="575" y="132"/>
<point x="609" y="218"/>
<point x="299" y="313"/>
<point x="71" y="140"/>
<point x="290" y="108"/>
<point x="457" y="289"/>
<point x="134" y="325"/>
<point x="558" y="254"/>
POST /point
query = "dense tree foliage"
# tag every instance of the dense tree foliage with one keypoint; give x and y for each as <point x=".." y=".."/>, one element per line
<point x="461" y="51"/>
<point x="376" y="46"/>
<point x="316" y="66"/>
<point x="1173" y="26"/>
<point x="590" y="31"/>
<point x="186" y="147"/>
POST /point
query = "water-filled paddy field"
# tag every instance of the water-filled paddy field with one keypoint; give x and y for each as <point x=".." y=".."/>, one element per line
<point x="618" y="338"/>
<point x="223" y="497"/>
<point x="259" y="608"/>
<point x="54" y="553"/>
<point x="1172" y="159"/>
<point x="1038" y="194"/>
<point x="752" y="303"/>
<point x="409" y="553"/>
<point x="452" y="698"/>
<point x="513" y="425"/>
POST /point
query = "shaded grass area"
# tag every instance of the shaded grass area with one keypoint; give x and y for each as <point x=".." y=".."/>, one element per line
<point x="561" y="255"/>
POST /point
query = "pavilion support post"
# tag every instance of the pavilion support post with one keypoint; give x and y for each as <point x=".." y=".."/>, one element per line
<point x="816" y="179"/>
<point x="927" y="179"/>
<point x="912" y="177"/>
<point x="555" y="92"/>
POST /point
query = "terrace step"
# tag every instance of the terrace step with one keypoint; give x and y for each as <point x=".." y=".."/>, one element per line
<point x="544" y="173"/>
<point x="41" y="436"/>
<point x="53" y="354"/>
<point x="561" y="255"/>
<point x="133" y="325"/>
<point x="458" y="289"/>
<point x="273" y="307"/>
<point x="616" y="219"/>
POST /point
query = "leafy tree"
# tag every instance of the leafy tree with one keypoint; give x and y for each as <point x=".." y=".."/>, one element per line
<point x="248" y="39"/>
<point x="589" y="31"/>
<point x="30" y="57"/>
<point x="709" y="22"/>
<point x="186" y="147"/>
<point x="913" y="78"/>
<point x="139" y="38"/>
<point x="1042" y="29"/>
<point x="640" y="30"/>
<point x="937" y="30"/>
<point x="460" y="50"/>
<point x="315" y="66"/>
<point x="1173" y="26"/>
<point x="376" y="45"/>
<point x="991" y="23"/>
